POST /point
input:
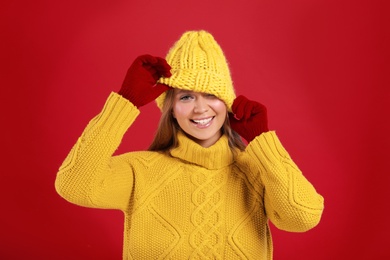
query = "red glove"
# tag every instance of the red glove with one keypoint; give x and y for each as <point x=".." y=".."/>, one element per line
<point x="249" y="118"/>
<point x="140" y="84"/>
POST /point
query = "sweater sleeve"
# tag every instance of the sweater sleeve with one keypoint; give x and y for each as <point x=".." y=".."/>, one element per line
<point x="91" y="176"/>
<point x="291" y="201"/>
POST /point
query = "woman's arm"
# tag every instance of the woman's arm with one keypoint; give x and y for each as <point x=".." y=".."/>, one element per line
<point x="90" y="176"/>
<point x="291" y="201"/>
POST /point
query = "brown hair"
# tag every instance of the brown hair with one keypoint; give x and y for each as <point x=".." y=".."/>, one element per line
<point x="166" y="135"/>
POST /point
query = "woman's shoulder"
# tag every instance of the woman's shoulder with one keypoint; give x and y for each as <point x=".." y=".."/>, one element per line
<point x="244" y="162"/>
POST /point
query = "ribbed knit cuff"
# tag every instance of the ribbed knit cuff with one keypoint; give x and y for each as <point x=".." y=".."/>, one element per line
<point x="268" y="146"/>
<point x="116" y="116"/>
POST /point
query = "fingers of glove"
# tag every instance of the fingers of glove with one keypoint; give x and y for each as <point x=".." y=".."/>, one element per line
<point x="232" y="119"/>
<point x="231" y="116"/>
<point x="259" y="109"/>
<point x="163" y="67"/>
<point x="158" y="69"/>
<point x="142" y="64"/>
<point x="148" y="62"/>
<point x="146" y="59"/>
<point x="248" y="109"/>
<point x="159" y="89"/>
<point x="242" y="107"/>
<point x="237" y="124"/>
<point x="237" y="107"/>
<point x="153" y="73"/>
<point x="245" y="108"/>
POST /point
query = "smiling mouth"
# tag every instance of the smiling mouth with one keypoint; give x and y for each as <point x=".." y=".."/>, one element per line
<point x="202" y="121"/>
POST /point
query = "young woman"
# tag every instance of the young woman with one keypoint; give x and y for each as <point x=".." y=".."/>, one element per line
<point x="199" y="192"/>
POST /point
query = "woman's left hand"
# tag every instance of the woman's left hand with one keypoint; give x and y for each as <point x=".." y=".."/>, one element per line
<point x="249" y="118"/>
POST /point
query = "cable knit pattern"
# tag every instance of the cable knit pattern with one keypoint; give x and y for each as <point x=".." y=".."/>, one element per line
<point x="194" y="203"/>
<point x="207" y="217"/>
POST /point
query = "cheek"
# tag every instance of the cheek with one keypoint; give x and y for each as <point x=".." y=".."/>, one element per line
<point x="219" y="107"/>
<point x="179" y="110"/>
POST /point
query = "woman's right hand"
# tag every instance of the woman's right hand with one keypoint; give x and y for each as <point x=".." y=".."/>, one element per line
<point x="140" y="84"/>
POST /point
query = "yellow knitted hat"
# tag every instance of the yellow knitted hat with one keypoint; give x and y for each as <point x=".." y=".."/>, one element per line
<point x="198" y="64"/>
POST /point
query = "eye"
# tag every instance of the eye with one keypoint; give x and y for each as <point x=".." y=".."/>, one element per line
<point x="186" y="97"/>
<point x="210" y="95"/>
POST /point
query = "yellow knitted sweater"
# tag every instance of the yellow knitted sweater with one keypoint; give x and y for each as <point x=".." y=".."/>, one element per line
<point x="194" y="203"/>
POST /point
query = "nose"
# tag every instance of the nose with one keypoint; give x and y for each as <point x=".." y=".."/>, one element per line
<point x="201" y="105"/>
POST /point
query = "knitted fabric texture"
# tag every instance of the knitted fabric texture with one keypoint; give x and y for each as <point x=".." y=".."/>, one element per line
<point x="196" y="203"/>
<point x="199" y="64"/>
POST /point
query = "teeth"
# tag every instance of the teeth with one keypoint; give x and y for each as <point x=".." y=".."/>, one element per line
<point x="203" y="121"/>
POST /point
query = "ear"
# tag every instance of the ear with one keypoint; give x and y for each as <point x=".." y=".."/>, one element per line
<point x="173" y="114"/>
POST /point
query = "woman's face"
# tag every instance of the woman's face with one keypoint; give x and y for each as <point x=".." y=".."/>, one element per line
<point x="199" y="115"/>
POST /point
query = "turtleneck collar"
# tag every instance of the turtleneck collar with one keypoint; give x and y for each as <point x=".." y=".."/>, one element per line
<point x="216" y="156"/>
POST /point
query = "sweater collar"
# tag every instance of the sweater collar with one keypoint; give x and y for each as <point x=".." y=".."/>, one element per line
<point x="216" y="156"/>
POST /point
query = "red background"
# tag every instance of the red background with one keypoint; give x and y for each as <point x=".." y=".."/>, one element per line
<point x="321" y="67"/>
